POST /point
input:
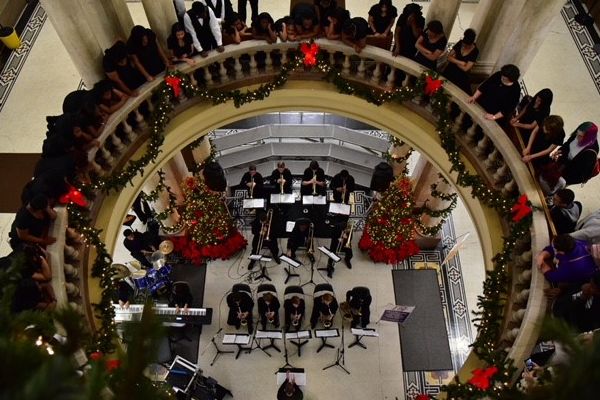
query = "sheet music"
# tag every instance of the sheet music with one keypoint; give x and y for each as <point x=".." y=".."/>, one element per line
<point x="365" y="332"/>
<point x="229" y="339"/>
<point x="255" y="257"/>
<point x="298" y="335"/>
<point x="253" y="203"/>
<point x="289" y="226"/>
<point x="299" y="378"/>
<point x="327" y="333"/>
<point x="289" y="261"/>
<point x="339" y="208"/>
<point x="242" y="339"/>
<point x="268" y="334"/>
<point x="319" y="200"/>
<point x="329" y="254"/>
<point x="286" y="198"/>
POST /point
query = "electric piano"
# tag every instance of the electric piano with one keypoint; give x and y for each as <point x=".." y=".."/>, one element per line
<point x="194" y="316"/>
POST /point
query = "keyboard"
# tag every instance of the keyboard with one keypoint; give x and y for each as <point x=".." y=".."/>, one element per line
<point x="194" y="316"/>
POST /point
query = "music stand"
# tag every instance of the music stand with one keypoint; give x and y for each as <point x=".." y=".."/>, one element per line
<point x="291" y="263"/>
<point x="299" y="335"/>
<point x="219" y="351"/>
<point x="238" y="339"/>
<point x="325" y="334"/>
<point x="271" y="335"/>
<point x="311" y="258"/>
<point x="340" y="355"/>
<point x="361" y="333"/>
<point x="262" y="261"/>
<point x="330" y="254"/>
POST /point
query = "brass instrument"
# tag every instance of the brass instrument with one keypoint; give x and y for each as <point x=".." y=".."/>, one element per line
<point x="251" y="187"/>
<point x="270" y="318"/>
<point x="344" y="192"/>
<point x="310" y="243"/>
<point x="242" y="317"/>
<point x="296" y="319"/>
<point x="348" y="312"/>
<point x="314" y="185"/>
<point x="265" y="230"/>
<point x="345" y="243"/>
<point x="281" y="183"/>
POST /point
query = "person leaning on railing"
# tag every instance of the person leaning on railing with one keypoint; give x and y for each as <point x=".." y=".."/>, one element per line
<point x="499" y="94"/>
<point x="578" y="156"/>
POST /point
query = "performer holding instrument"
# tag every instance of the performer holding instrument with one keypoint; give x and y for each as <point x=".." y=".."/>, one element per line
<point x="268" y="309"/>
<point x="359" y="300"/>
<point x="294" y="309"/>
<point x="342" y="185"/>
<point x="313" y="181"/>
<point x="301" y="235"/>
<point x="181" y="297"/>
<point x="281" y="179"/>
<point x="341" y="241"/>
<point x="264" y="236"/>
<point x="254" y="182"/>
<point x="240" y="310"/>
<point x="324" y="310"/>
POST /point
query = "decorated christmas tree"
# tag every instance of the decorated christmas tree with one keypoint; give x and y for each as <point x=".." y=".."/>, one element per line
<point x="210" y="232"/>
<point x="390" y="226"/>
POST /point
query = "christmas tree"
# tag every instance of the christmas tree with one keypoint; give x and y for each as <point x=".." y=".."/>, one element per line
<point x="210" y="233"/>
<point x="391" y="224"/>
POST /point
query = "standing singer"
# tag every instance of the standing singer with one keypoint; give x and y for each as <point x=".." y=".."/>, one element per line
<point x="262" y="229"/>
<point x="313" y="181"/>
<point x="342" y="185"/>
<point x="253" y="181"/>
<point x="281" y="179"/>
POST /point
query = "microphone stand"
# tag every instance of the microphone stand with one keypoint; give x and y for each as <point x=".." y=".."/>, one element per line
<point x="311" y="258"/>
<point x="340" y="355"/>
<point x="285" y="353"/>
<point x="219" y="351"/>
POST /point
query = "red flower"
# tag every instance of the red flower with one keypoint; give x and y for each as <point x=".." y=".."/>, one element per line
<point x="481" y="377"/>
<point x="175" y="84"/>
<point x="97" y="355"/>
<point x="190" y="182"/>
<point x="432" y="85"/>
<point x="521" y="208"/>
<point x="111" y="365"/>
<point x="310" y="52"/>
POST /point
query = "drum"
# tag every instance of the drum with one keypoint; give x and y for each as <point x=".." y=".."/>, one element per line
<point x="152" y="274"/>
<point x="141" y="283"/>
<point x="158" y="259"/>
<point x="165" y="272"/>
<point x="159" y="288"/>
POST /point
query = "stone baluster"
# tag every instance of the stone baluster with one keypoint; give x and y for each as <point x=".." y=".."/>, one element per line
<point x="510" y="188"/>
<point x="139" y="119"/>
<point x="376" y="73"/>
<point x="518" y="315"/>
<point x="482" y="147"/>
<point x="70" y="270"/>
<point x="527" y="256"/>
<point x="471" y="133"/>
<point x="390" y="79"/>
<point x="360" y="72"/>
<point x="253" y="64"/>
<point x="522" y="296"/>
<point x="208" y="76"/>
<point x="346" y="65"/>
<point x="458" y="121"/>
<point x="524" y="277"/>
<point x="96" y="167"/>
<point x="223" y="72"/>
<point x="119" y="146"/>
<point x="511" y="334"/>
<point x="332" y="58"/>
<point x="492" y="159"/>
<point x="106" y="156"/>
<point x="284" y="57"/>
<point x="237" y="68"/>
<point x="501" y="173"/>
<point x="268" y="62"/>
<point x="72" y="289"/>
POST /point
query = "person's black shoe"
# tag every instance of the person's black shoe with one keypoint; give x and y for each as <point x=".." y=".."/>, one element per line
<point x="277" y="260"/>
<point x="348" y="263"/>
<point x="251" y="265"/>
<point x="330" y="272"/>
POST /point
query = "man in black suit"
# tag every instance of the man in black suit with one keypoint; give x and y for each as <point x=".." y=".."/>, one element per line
<point x="260" y="225"/>
<point x="281" y="177"/>
<point x="254" y="182"/>
<point x="268" y="310"/>
<point x="313" y="180"/>
<point x="342" y="183"/>
<point x="240" y="310"/>
<point x="359" y="299"/>
<point x="298" y="237"/>
<point x="341" y="231"/>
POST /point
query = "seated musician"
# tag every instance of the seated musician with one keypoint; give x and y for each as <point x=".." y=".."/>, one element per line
<point x="181" y="297"/>
<point x="313" y="180"/>
<point x="281" y="179"/>
<point x="260" y="227"/>
<point x="298" y="237"/>
<point x="324" y="310"/>
<point x="268" y="309"/>
<point x="342" y="185"/>
<point x="138" y="246"/>
<point x="253" y="180"/>
<point x="289" y="390"/>
<point x="124" y="293"/>
<point x="240" y="310"/>
<point x="342" y="235"/>
<point x="359" y="300"/>
<point x="294" y="313"/>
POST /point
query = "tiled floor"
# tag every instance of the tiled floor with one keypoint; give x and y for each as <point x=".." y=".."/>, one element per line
<point x="38" y="77"/>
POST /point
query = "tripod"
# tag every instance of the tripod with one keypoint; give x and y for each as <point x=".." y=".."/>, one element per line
<point x="285" y="353"/>
<point x="219" y="351"/>
<point x="340" y="355"/>
<point x="263" y="271"/>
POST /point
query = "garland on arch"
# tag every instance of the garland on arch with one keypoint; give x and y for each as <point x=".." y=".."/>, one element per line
<point x="489" y="320"/>
<point x="154" y="195"/>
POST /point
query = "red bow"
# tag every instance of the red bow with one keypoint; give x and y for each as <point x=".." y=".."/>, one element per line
<point x="422" y="397"/>
<point x="481" y="377"/>
<point x="310" y="52"/>
<point x="73" y="196"/>
<point x="175" y="84"/>
<point x="521" y="209"/>
<point x="432" y="85"/>
<point x="111" y="365"/>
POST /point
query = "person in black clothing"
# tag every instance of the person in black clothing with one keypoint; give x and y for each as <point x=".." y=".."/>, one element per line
<point x="124" y="293"/>
<point x="119" y="68"/>
<point x="51" y="185"/>
<point x="222" y="9"/>
<point x="147" y="56"/>
<point x="578" y="156"/>
<point x="533" y="113"/>
<point x="431" y="45"/>
<point x="254" y="182"/>
<point x="260" y="225"/>
<point x="298" y="237"/>
<point x="268" y="310"/>
<point x="359" y="300"/>
<point x="181" y="297"/>
<point x="342" y="184"/>
<point x="341" y="232"/>
<point x="180" y="45"/>
<point x="335" y="22"/>
<point x="240" y="310"/>
<point x="324" y="308"/>
<point x="543" y="140"/>
<point x="461" y="59"/>
<point x="263" y="28"/>
<point x="294" y="310"/>
<point x="313" y="180"/>
<point x="408" y="29"/>
<point x="142" y="209"/>
<point x="31" y="224"/>
<point x="203" y="26"/>
<point x="235" y="30"/>
<point x="325" y="9"/>
<point x="289" y="391"/>
<point x="381" y="18"/>
<point x="281" y="177"/>
<point x="565" y="212"/>
<point x="138" y="247"/>
<point x="242" y="9"/>
<point x="581" y="309"/>
<point x="306" y="23"/>
<point x="499" y="94"/>
<point x="354" y="33"/>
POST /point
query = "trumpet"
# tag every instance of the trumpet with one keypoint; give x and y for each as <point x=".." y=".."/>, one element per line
<point x="251" y="187"/>
<point x="242" y="316"/>
<point x="344" y="192"/>
<point x="265" y="230"/>
<point x="310" y="243"/>
<point x="314" y="184"/>
<point x="345" y="243"/>
<point x="296" y="319"/>
<point x="281" y="181"/>
<point x="327" y="320"/>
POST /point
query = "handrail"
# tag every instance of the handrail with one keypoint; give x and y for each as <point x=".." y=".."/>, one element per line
<point x="487" y="147"/>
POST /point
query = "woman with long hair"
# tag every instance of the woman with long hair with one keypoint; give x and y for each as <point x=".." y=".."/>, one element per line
<point x="461" y="59"/>
<point x="578" y="156"/>
<point x="147" y="56"/>
<point x="536" y="109"/>
<point x="408" y="29"/>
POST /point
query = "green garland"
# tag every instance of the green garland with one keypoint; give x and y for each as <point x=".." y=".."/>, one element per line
<point x="489" y="320"/>
<point x="154" y="195"/>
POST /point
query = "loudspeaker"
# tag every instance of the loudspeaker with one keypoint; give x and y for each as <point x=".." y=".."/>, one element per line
<point x="383" y="175"/>
<point x="214" y="176"/>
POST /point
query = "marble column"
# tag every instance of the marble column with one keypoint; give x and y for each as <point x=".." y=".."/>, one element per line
<point x="70" y="22"/>
<point x="535" y="23"/>
<point x="444" y="11"/>
<point x="175" y="172"/>
<point x="494" y="21"/>
<point x="161" y="16"/>
<point x="109" y="20"/>
<point x="399" y="152"/>
<point x="424" y="175"/>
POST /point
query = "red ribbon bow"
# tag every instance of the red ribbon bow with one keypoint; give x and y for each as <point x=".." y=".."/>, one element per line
<point x="73" y="196"/>
<point x="310" y="51"/>
<point x="422" y="397"/>
<point x="432" y="85"/>
<point x="175" y="84"/>
<point x="521" y="209"/>
<point x="481" y="377"/>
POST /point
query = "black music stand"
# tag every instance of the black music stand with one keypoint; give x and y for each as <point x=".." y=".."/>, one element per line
<point x="271" y="342"/>
<point x="311" y="258"/>
<point x="219" y="351"/>
<point x="262" y="261"/>
<point x="358" y="338"/>
<point x="285" y="354"/>
<point x="301" y="342"/>
<point x="340" y="355"/>
<point x="324" y="339"/>
<point x="288" y="270"/>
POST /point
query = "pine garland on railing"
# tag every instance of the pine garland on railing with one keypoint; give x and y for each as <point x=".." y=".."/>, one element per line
<point x="491" y="304"/>
<point x="154" y="195"/>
